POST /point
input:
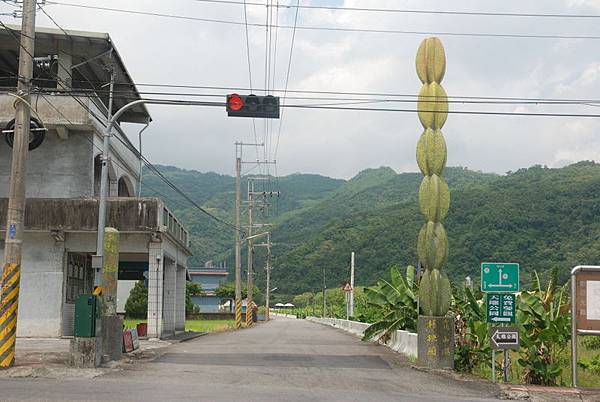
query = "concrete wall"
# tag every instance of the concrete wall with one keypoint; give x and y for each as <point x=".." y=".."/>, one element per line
<point x="401" y="341"/>
<point x="64" y="167"/>
<point x="57" y="169"/>
<point x="41" y="296"/>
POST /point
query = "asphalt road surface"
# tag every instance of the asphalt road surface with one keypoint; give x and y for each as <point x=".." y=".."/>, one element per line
<point x="283" y="360"/>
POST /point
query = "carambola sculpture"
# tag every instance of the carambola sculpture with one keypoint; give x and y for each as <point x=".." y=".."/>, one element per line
<point x="434" y="196"/>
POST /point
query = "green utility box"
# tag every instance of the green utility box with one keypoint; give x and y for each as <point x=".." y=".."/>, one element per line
<point x="86" y="312"/>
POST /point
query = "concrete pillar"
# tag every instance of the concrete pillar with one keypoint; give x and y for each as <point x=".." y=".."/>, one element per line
<point x="113" y="189"/>
<point x="155" y="289"/>
<point x="180" y="300"/>
<point x="169" y="296"/>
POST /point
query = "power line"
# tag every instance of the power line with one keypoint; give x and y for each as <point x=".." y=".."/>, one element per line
<point x="287" y="78"/>
<point x="411" y="11"/>
<point x="334" y="29"/>
<point x="321" y="92"/>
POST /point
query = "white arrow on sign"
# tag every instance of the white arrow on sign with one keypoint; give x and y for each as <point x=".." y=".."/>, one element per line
<point x="505" y="339"/>
<point x="500" y="319"/>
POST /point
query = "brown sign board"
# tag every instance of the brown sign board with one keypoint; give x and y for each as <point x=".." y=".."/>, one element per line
<point x="587" y="300"/>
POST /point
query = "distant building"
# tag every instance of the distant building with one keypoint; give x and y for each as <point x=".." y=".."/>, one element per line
<point x="71" y="76"/>
<point x="209" y="278"/>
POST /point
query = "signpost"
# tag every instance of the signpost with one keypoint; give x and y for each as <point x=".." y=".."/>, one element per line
<point x="499" y="277"/>
<point x="585" y="310"/>
<point x="347" y="288"/>
<point x="505" y="338"/>
<point x="501" y="308"/>
<point x="500" y="281"/>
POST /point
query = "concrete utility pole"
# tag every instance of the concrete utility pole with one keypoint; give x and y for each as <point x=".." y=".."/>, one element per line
<point x="250" y="254"/>
<point x="97" y="262"/>
<point x="268" y="296"/>
<point x="351" y="296"/>
<point x="238" y="252"/>
<point x="323" y="288"/>
<point x="9" y="295"/>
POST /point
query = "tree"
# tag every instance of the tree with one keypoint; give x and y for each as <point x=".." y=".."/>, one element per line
<point x="227" y="291"/>
<point x="137" y="303"/>
<point x="192" y="289"/>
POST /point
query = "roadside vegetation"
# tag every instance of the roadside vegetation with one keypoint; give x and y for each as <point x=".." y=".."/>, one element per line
<point x="543" y="317"/>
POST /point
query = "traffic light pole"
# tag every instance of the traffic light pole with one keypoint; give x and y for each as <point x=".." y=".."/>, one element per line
<point x="13" y="242"/>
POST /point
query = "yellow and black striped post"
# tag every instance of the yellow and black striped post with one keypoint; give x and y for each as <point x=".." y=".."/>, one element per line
<point x="249" y="305"/>
<point x="238" y="313"/>
<point x="9" y="302"/>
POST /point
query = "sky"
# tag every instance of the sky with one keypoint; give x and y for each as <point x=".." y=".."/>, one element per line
<point x="342" y="143"/>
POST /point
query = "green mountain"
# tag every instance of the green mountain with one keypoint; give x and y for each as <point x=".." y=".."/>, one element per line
<point x="539" y="217"/>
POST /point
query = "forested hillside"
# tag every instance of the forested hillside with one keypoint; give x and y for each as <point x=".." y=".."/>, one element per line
<point x="540" y="217"/>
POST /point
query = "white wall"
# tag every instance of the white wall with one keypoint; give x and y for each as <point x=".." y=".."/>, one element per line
<point x="41" y="294"/>
<point x="123" y="290"/>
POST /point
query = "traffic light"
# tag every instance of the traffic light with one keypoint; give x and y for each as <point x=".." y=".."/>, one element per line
<point x="266" y="107"/>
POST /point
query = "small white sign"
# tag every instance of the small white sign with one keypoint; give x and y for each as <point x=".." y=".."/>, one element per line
<point x="593" y="300"/>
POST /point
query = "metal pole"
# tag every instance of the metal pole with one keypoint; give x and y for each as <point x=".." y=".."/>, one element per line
<point x="267" y="299"/>
<point x="238" y="255"/>
<point x="351" y="302"/>
<point x="574" y="327"/>
<point x="250" y="252"/>
<point x="505" y="365"/>
<point x="104" y="182"/>
<point x="493" y="365"/>
<point x="323" y="289"/>
<point x="141" y="174"/>
<point x="9" y="295"/>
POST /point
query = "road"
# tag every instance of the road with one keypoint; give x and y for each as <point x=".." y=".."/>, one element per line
<point x="283" y="360"/>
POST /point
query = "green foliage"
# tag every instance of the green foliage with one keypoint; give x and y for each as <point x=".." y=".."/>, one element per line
<point x="192" y="289"/>
<point x="396" y="302"/>
<point x="591" y="342"/>
<point x="226" y="290"/>
<point x="538" y="216"/>
<point x="544" y="316"/>
<point x="472" y="334"/>
<point x="592" y="365"/>
<point x="137" y="303"/>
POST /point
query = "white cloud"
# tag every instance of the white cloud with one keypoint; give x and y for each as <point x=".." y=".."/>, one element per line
<point x="340" y="143"/>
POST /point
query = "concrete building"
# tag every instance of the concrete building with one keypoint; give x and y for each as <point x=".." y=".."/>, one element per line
<point x="209" y="278"/>
<point x="63" y="179"/>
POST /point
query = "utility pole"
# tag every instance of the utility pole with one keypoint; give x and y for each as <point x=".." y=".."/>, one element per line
<point x="9" y="295"/>
<point x="267" y="298"/>
<point x="238" y="229"/>
<point x="323" y="289"/>
<point x="250" y="254"/>
<point x="351" y="296"/>
<point x="238" y="252"/>
<point x="97" y="262"/>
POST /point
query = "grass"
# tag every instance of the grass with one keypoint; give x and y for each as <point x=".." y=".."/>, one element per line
<point x="192" y="325"/>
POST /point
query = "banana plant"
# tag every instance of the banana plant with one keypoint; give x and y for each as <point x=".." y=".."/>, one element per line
<point x="396" y="299"/>
<point x="472" y="334"/>
<point x="544" y="315"/>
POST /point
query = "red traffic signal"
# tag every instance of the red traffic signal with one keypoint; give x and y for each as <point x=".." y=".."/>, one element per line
<point x="266" y="107"/>
<point x="234" y="102"/>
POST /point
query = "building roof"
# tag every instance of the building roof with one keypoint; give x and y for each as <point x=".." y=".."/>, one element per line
<point x="92" y="53"/>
